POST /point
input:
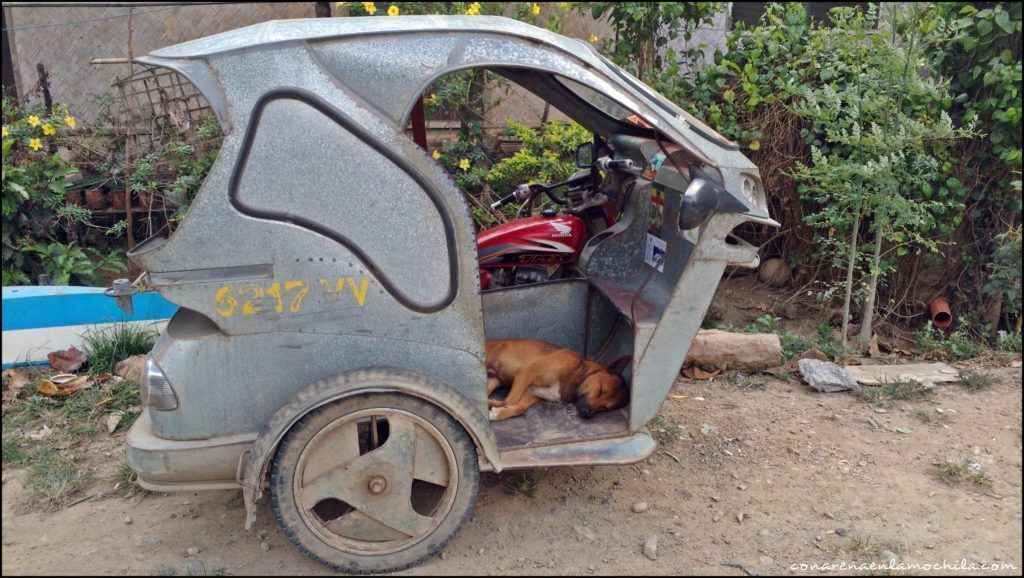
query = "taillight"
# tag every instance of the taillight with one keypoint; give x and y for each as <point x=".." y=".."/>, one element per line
<point x="156" y="390"/>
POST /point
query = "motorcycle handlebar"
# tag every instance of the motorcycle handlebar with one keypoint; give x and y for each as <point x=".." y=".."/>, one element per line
<point x="524" y="192"/>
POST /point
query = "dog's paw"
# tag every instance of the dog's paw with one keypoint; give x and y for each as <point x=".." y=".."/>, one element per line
<point x="494" y="414"/>
<point x="493" y="403"/>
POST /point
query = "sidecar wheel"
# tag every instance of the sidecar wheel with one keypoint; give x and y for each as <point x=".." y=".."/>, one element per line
<point x="374" y="483"/>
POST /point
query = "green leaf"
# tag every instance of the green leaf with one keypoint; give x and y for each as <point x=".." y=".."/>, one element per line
<point x="1003" y="21"/>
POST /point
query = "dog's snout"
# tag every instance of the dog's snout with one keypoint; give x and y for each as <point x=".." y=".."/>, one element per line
<point x="583" y="408"/>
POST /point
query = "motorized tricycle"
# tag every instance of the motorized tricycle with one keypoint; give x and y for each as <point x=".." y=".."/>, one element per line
<point x="329" y="347"/>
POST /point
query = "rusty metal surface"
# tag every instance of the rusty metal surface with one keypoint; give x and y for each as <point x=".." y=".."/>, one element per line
<point x="617" y="451"/>
<point x="549" y="423"/>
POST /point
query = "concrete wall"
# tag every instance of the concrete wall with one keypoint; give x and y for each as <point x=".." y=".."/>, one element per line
<point x="37" y="35"/>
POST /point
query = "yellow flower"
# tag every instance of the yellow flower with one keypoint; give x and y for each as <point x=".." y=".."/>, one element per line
<point x="70" y="120"/>
<point x="393" y="10"/>
<point x="535" y="10"/>
<point x="35" y="144"/>
<point x="464" y="164"/>
<point x="593" y="39"/>
<point x="436" y="154"/>
<point x="474" y="9"/>
<point x="430" y="99"/>
<point x="755" y="145"/>
<point x="48" y="129"/>
<point x="370" y="8"/>
<point x="33" y="120"/>
<point x="6" y="132"/>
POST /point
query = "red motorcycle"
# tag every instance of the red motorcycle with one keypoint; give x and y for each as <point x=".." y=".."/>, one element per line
<point x="534" y="249"/>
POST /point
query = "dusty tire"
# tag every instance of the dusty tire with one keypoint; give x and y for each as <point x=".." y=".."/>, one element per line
<point x="367" y="486"/>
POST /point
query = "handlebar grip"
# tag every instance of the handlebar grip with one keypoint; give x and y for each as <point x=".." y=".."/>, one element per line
<point x="606" y="163"/>
<point x="503" y="201"/>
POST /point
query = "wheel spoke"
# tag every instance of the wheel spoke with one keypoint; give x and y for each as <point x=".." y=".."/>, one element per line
<point x="430" y="463"/>
<point x="335" y="450"/>
<point x="359" y="526"/>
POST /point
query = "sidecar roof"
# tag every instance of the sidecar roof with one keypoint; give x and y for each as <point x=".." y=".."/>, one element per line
<point x="389" y="75"/>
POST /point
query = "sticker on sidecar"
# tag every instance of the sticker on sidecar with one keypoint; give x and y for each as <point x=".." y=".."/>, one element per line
<point x="654" y="252"/>
<point x="657" y="211"/>
<point x="254" y="298"/>
<point x="653" y="166"/>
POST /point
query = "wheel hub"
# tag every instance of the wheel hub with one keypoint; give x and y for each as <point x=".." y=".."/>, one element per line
<point x="377" y="485"/>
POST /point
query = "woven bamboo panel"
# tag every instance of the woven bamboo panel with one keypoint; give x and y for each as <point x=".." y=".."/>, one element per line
<point x="65" y="51"/>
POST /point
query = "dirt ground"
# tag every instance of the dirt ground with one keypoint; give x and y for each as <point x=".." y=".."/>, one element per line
<point x="753" y="475"/>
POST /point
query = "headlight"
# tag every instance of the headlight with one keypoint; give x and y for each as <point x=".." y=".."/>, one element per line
<point x="156" y="390"/>
<point x="749" y="190"/>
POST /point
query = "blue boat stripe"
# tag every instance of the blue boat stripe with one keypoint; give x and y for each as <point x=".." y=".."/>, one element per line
<point x="57" y="310"/>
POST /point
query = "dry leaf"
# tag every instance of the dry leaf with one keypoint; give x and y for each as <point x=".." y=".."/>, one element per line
<point x="14" y="381"/>
<point x="67" y="360"/>
<point x="113" y="420"/>
<point x="65" y="388"/>
<point x="698" y="373"/>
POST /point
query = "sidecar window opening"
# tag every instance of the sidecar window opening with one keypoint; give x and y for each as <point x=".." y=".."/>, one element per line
<point x="582" y="104"/>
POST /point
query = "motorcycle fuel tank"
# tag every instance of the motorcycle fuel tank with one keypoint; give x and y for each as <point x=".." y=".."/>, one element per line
<point x="532" y="241"/>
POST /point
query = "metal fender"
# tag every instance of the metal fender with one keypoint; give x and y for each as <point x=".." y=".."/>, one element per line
<point x="253" y="465"/>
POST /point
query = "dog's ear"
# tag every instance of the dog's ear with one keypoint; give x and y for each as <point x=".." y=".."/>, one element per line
<point x="619" y="364"/>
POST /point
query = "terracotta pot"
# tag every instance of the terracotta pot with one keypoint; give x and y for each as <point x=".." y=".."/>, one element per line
<point x="938" y="309"/>
<point x="75" y="197"/>
<point x="117" y="198"/>
<point x="96" y="199"/>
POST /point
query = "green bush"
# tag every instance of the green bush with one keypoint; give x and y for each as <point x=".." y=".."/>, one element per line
<point x="37" y="217"/>
<point x="546" y="156"/>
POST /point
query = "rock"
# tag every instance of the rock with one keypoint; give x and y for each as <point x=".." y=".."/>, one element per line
<point x="131" y="368"/>
<point x="265" y="546"/>
<point x="826" y="376"/>
<point x="741" y="487"/>
<point x="651" y="547"/>
<point x="127" y="518"/>
<point x="195" y="568"/>
<point x="840" y="531"/>
<point x="774" y="272"/>
<point x="163" y="570"/>
<point x="585" y="533"/>
<point x="866" y="420"/>
<point x="740" y="516"/>
<point x="880" y="410"/>
<point x="766" y="560"/>
<point x="444" y="555"/>
<point x="717" y="348"/>
<point x="192" y="551"/>
<point x="640" y="507"/>
<point x="765" y="533"/>
<point x="890" y="556"/>
<point x="829" y="515"/>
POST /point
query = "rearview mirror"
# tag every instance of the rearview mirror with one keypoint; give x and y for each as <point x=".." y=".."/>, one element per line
<point x="585" y="155"/>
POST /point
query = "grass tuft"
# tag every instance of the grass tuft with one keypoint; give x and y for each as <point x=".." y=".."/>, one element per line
<point x="977" y="380"/>
<point x="959" y="471"/>
<point x="885" y="394"/>
<point x="107" y="347"/>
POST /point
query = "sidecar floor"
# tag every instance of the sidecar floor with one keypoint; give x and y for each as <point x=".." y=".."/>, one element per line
<point x="549" y="423"/>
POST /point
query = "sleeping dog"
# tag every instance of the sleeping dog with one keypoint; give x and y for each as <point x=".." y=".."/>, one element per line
<point x="539" y="370"/>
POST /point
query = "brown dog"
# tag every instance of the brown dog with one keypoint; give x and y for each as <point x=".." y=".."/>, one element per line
<point x="539" y="370"/>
